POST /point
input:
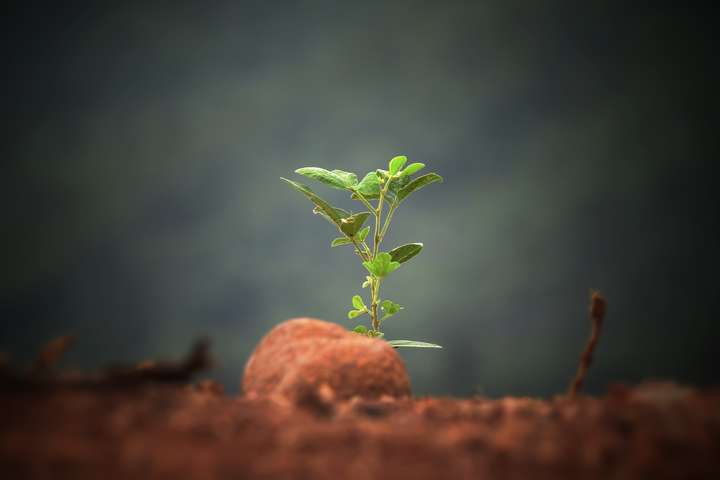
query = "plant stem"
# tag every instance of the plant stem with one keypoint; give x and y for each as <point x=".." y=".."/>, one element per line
<point x="375" y="284"/>
<point x="367" y="249"/>
<point x="384" y="230"/>
<point x="374" y="305"/>
<point x="379" y="233"/>
<point x="364" y="255"/>
<point x="365" y="201"/>
<point x="369" y="255"/>
<point x="378" y="217"/>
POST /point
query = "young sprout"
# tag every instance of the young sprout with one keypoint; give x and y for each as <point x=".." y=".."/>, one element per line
<point x="388" y="189"/>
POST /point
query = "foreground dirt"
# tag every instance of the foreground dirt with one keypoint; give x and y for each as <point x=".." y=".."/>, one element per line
<point x="156" y="432"/>
<point x="304" y="354"/>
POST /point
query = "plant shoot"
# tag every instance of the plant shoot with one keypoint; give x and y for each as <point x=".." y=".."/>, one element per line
<point x="381" y="192"/>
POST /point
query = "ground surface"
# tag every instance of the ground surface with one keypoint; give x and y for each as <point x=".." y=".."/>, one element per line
<point x="169" y="432"/>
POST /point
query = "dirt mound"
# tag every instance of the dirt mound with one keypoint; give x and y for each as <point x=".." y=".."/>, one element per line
<point x="306" y="356"/>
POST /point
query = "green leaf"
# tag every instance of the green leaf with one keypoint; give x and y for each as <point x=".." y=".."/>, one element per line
<point x="369" y="186"/>
<point x="360" y="329"/>
<point x="405" y="252"/>
<point x="324" y="208"/>
<point x="397" y="184"/>
<point x="341" y="213"/>
<point x="362" y="234"/>
<point x="355" y="313"/>
<point x="396" y="164"/>
<point x="390" y="308"/>
<point x="324" y="176"/>
<point x="352" y="224"/>
<point x="340" y="241"/>
<point x="412" y="344"/>
<point x="418" y="183"/>
<point x="358" y="303"/>
<point x="348" y="178"/>
<point x="382" y="265"/>
<point x="370" y="267"/>
<point x="412" y="168"/>
<point x="390" y="264"/>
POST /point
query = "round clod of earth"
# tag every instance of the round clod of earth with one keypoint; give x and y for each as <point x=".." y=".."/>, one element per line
<point x="306" y="353"/>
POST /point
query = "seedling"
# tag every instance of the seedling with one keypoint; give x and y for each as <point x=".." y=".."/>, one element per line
<point x="388" y="188"/>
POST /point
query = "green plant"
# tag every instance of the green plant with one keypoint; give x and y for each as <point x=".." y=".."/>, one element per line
<point x="389" y="188"/>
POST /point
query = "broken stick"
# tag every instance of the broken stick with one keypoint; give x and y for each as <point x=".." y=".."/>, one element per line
<point x="598" y="305"/>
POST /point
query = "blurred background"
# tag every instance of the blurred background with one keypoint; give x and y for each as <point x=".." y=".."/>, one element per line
<point x="142" y="207"/>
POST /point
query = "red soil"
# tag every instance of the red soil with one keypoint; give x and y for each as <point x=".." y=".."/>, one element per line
<point x="658" y="431"/>
<point x="308" y="355"/>
<point x="322" y="403"/>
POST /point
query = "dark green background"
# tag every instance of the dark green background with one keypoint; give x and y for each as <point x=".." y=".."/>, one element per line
<point x="142" y="206"/>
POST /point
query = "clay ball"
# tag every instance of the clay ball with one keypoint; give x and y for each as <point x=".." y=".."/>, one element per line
<point x="307" y="353"/>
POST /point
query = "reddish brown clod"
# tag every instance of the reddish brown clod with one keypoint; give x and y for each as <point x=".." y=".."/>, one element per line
<point x="307" y="353"/>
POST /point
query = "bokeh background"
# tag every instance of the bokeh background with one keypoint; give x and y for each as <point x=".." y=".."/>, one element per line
<point x="142" y="207"/>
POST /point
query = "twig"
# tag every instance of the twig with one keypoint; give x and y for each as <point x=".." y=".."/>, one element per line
<point x="51" y="353"/>
<point x="163" y="372"/>
<point x="43" y="376"/>
<point x="598" y="305"/>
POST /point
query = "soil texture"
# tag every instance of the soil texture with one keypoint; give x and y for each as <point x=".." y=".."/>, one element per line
<point x="158" y="431"/>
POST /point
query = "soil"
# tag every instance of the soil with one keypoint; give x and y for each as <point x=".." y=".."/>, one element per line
<point x="159" y="431"/>
<point x="305" y="355"/>
<point x="354" y="420"/>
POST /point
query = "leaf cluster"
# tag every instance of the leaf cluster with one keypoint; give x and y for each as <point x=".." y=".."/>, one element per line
<point x="389" y="188"/>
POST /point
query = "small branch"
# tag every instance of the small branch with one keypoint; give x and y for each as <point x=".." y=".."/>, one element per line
<point x="385" y="227"/>
<point x="364" y="200"/>
<point x="376" y="236"/>
<point x="378" y="217"/>
<point x="374" y="305"/>
<point x="50" y="354"/>
<point x="359" y="250"/>
<point x="598" y="305"/>
<point x="198" y="359"/>
<point x="42" y="374"/>
<point x="367" y="249"/>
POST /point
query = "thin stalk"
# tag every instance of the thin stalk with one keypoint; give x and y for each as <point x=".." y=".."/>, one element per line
<point x="359" y="250"/>
<point x="390" y="214"/>
<point x="375" y="286"/>
<point x="598" y="305"/>
<point x="378" y="217"/>
<point x="364" y="200"/>
<point x="376" y="237"/>
<point x="369" y="255"/>
<point x="367" y="248"/>
<point x="375" y="292"/>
